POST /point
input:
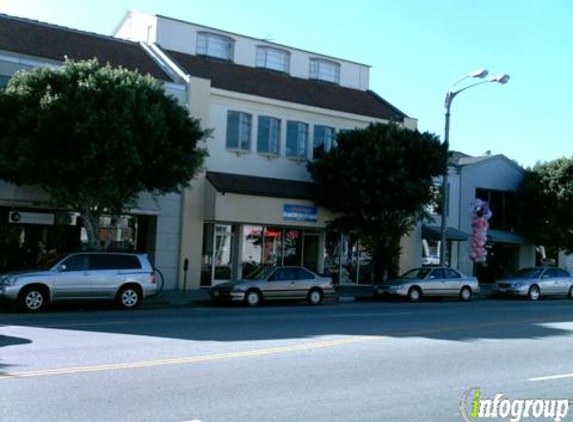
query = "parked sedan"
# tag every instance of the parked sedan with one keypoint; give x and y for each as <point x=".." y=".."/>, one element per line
<point x="535" y="282"/>
<point x="430" y="282"/>
<point x="275" y="283"/>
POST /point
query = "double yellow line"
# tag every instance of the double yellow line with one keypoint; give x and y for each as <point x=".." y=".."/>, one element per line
<point x="192" y="359"/>
<point x="268" y="351"/>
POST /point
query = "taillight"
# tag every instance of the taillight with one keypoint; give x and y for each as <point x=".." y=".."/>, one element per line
<point x="152" y="277"/>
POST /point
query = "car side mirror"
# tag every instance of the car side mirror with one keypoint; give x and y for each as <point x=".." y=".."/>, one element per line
<point x="61" y="268"/>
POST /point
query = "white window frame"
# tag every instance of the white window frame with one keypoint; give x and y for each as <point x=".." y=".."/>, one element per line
<point x="300" y="146"/>
<point x="273" y="58"/>
<point x="276" y="128"/>
<point x="211" y="44"/>
<point x="244" y="132"/>
<point x="328" y="143"/>
<point x="324" y="70"/>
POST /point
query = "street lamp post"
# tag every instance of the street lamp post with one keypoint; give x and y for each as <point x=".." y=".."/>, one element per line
<point x="450" y="95"/>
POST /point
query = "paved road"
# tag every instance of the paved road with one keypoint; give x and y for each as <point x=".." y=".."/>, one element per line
<point x="338" y="362"/>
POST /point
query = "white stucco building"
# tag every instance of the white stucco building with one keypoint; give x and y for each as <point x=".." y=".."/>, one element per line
<point x="271" y="108"/>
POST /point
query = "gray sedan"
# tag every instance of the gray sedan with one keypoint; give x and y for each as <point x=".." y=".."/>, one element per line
<point x="535" y="282"/>
<point x="431" y="282"/>
<point x="275" y="283"/>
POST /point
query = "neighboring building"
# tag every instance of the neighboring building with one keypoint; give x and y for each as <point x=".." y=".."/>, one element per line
<point x="271" y="108"/>
<point x="27" y="222"/>
<point x="492" y="178"/>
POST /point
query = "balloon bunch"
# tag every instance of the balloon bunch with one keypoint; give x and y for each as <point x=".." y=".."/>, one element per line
<point x="480" y="216"/>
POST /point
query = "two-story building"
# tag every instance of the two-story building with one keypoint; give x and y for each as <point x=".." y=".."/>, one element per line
<point x="491" y="178"/>
<point x="271" y="108"/>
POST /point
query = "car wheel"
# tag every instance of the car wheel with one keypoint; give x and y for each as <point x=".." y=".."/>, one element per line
<point x="253" y="298"/>
<point x="414" y="294"/>
<point x="466" y="294"/>
<point x="34" y="299"/>
<point x="571" y="293"/>
<point x="533" y="293"/>
<point x="128" y="297"/>
<point x="314" y="297"/>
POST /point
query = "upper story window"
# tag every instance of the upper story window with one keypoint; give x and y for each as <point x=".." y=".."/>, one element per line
<point x="239" y="131"/>
<point x="323" y="140"/>
<point x="273" y="58"/>
<point x="268" y="136"/>
<point x="4" y="81"/>
<point x="214" y="45"/>
<point x="325" y="70"/>
<point x="502" y="205"/>
<point x="297" y="138"/>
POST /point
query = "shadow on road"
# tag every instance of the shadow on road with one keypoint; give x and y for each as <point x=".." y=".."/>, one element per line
<point x="450" y="321"/>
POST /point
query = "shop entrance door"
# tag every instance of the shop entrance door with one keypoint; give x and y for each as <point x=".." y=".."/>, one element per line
<point x="222" y="253"/>
<point x="310" y="251"/>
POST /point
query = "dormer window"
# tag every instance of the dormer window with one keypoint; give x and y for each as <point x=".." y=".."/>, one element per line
<point x="273" y="58"/>
<point x="214" y="45"/>
<point x="325" y="70"/>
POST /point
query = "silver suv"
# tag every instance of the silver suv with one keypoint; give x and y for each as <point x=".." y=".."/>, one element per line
<point x="126" y="278"/>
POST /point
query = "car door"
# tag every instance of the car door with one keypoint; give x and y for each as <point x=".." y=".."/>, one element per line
<point x="434" y="284"/>
<point x="72" y="280"/>
<point x="305" y="281"/>
<point x="281" y="284"/>
<point x="105" y="274"/>
<point x="453" y="282"/>
<point x="563" y="282"/>
<point x="548" y="282"/>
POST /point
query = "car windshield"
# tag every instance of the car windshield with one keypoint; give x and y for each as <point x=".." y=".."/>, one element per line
<point x="260" y="273"/>
<point x="416" y="274"/>
<point x="528" y="273"/>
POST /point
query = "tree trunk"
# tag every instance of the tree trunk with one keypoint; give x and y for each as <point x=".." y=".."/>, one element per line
<point x="386" y="255"/>
<point x="109" y="236"/>
<point x="90" y="221"/>
<point x="381" y="260"/>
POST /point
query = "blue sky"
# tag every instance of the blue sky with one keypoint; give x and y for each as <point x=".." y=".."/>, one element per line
<point x="417" y="49"/>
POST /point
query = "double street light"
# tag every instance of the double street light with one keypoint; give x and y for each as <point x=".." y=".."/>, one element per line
<point x="450" y="95"/>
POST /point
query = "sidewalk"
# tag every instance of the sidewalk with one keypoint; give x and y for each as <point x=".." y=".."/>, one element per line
<point x="177" y="298"/>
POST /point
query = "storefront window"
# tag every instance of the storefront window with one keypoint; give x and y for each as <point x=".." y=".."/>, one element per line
<point x="346" y="259"/>
<point x="252" y="249"/>
<point x="293" y="247"/>
<point x="273" y="246"/>
<point x="223" y="251"/>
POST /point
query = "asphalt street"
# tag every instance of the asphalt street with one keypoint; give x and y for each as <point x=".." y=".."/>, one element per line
<point x="372" y="361"/>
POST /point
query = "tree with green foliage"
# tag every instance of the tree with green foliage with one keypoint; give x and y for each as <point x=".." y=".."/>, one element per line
<point x="380" y="180"/>
<point x="95" y="137"/>
<point x="544" y="204"/>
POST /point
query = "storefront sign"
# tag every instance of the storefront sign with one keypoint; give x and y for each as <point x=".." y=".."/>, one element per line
<point x="293" y="212"/>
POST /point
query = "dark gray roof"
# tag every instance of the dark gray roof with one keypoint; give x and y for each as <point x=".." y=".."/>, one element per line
<point x="261" y="186"/>
<point x="54" y="42"/>
<point x="279" y="86"/>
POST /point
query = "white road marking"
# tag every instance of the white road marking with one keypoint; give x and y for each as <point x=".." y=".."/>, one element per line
<point x="551" y="377"/>
<point x="83" y="324"/>
<point x="368" y="314"/>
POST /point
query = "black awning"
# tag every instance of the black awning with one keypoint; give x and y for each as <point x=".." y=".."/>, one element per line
<point x="435" y="233"/>
<point x="501" y="236"/>
<point x="261" y="186"/>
